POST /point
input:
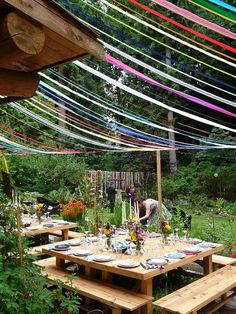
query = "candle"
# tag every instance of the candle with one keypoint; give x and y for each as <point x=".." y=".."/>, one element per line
<point x="130" y="209"/>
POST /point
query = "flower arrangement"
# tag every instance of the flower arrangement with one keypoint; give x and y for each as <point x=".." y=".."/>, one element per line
<point x="137" y="235"/>
<point x="165" y="229"/>
<point x="73" y="211"/>
<point x="108" y="232"/>
<point x="39" y="208"/>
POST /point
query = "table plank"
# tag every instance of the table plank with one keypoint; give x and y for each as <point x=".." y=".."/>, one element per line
<point x="42" y="230"/>
<point x="144" y="275"/>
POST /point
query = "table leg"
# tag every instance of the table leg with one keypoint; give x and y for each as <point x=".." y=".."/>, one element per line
<point x="207" y="265"/>
<point x="106" y="276"/>
<point x="146" y="288"/>
<point x="60" y="262"/>
<point x="65" y="234"/>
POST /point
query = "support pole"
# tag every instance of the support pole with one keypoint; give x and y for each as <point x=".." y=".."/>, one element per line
<point x="18" y="220"/>
<point x="159" y="190"/>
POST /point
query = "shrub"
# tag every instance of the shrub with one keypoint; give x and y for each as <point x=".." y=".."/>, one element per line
<point x="73" y="211"/>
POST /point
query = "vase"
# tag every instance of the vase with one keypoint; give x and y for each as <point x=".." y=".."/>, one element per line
<point x="138" y="245"/>
<point x="165" y="240"/>
<point x="108" y="243"/>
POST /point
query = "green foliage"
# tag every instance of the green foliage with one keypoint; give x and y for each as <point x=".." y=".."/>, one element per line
<point x="46" y="173"/>
<point x="22" y="288"/>
<point x="62" y="196"/>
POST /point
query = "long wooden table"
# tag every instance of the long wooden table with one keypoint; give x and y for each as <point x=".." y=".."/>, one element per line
<point x="145" y="276"/>
<point x="41" y="229"/>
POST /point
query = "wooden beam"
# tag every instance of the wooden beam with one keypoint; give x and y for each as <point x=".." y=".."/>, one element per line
<point x="19" y="38"/>
<point x="18" y="84"/>
<point x="58" y="20"/>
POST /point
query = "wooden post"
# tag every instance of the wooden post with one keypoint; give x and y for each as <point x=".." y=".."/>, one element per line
<point x="159" y="190"/>
<point x="18" y="220"/>
<point x="95" y="227"/>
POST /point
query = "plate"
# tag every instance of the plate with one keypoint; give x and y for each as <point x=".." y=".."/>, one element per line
<point x="128" y="263"/>
<point x="175" y="255"/>
<point x="82" y="252"/>
<point x="92" y="239"/>
<point x="206" y="245"/>
<point x="48" y="225"/>
<point x="121" y="232"/>
<point x="63" y="222"/>
<point x="102" y="258"/>
<point x="32" y="228"/>
<point x="157" y="261"/>
<point x="74" y="243"/>
<point x="154" y="235"/>
<point x="192" y="249"/>
<point x="61" y="247"/>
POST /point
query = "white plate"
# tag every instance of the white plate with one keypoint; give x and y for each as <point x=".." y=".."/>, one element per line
<point x="102" y="258"/>
<point x="121" y="232"/>
<point x="206" y="245"/>
<point x="192" y="249"/>
<point x="157" y="261"/>
<point x="74" y="242"/>
<point x="92" y="239"/>
<point x="82" y="252"/>
<point x="154" y="235"/>
<point x="127" y="263"/>
<point x="32" y="228"/>
<point x="175" y="255"/>
<point x="63" y="222"/>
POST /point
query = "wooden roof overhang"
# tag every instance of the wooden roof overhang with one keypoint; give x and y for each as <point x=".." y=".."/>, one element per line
<point x="35" y="35"/>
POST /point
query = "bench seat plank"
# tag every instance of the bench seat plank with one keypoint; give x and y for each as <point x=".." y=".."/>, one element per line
<point x="71" y="234"/>
<point x="112" y="296"/>
<point x="200" y="293"/>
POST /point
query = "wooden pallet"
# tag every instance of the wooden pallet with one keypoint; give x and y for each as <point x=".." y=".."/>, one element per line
<point x="200" y="293"/>
<point x="115" y="298"/>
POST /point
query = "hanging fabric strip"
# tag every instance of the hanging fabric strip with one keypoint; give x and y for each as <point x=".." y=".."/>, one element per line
<point x="142" y="45"/>
<point x="188" y="29"/>
<point x="147" y="79"/>
<point x="167" y="76"/>
<point x="224" y="5"/>
<point x="143" y="96"/>
<point x="167" y="35"/>
<point x="215" y="10"/>
<point x="195" y="18"/>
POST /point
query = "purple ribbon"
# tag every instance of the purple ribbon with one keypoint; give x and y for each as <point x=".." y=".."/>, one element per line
<point x="147" y="79"/>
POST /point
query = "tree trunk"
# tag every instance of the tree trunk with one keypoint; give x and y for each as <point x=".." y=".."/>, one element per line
<point x="171" y="135"/>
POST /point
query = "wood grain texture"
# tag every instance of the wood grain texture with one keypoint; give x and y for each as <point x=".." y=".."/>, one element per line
<point x="200" y="293"/>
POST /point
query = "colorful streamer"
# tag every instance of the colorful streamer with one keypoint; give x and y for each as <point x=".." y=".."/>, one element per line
<point x="143" y="45"/>
<point x="145" y="78"/>
<point x="149" y="99"/>
<point x="214" y="9"/>
<point x="167" y="76"/>
<point x="224" y="5"/>
<point x="195" y="18"/>
<point x="131" y="16"/>
<point x="188" y="29"/>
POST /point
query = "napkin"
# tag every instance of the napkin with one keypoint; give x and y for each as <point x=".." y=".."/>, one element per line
<point x="188" y="253"/>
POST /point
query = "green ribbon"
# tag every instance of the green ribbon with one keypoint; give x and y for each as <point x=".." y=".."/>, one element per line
<point x="216" y="9"/>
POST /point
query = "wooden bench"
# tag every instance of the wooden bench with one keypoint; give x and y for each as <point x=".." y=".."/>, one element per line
<point x="71" y="234"/>
<point x="115" y="298"/>
<point x="195" y="296"/>
<point x="220" y="261"/>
